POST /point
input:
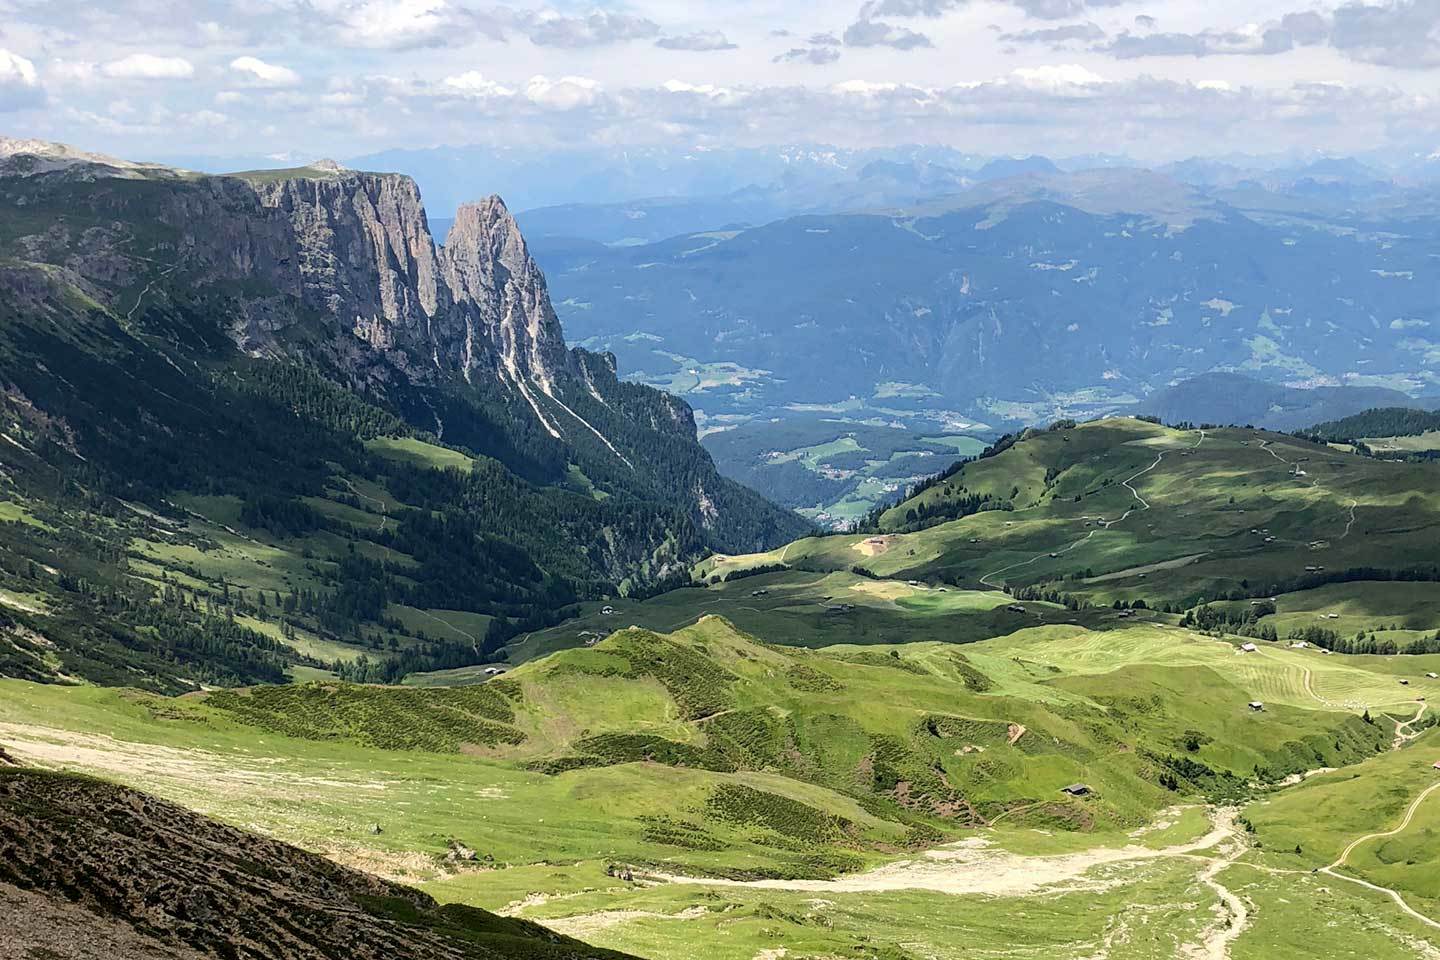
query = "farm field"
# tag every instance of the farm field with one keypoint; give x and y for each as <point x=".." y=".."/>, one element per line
<point x="1399" y="612"/>
<point x="1430" y="440"/>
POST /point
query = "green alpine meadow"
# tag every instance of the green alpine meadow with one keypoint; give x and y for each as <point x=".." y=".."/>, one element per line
<point x="348" y="610"/>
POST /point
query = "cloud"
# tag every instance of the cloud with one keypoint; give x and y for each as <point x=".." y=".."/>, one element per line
<point x="1266" y="39"/>
<point x="823" y="40"/>
<point x="702" y="42"/>
<point x="597" y="30"/>
<point x="1146" y="22"/>
<point x="565" y="93"/>
<point x="1056" y="37"/>
<point x="817" y="56"/>
<point x="1402" y="34"/>
<point x="259" y="72"/>
<point x="933" y="9"/>
<point x="406" y="24"/>
<point x="874" y="33"/>
<point x="1057" y="78"/>
<point x="1310" y="27"/>
<point x="147" y="66"/>
<point x="473" y="83"/>
<point x="19" y="83"/>
<point x="707" y="90"/>
<point x="908" y="8"/>
<point x="864" y="88"/>
<point x="1058" y="109"/>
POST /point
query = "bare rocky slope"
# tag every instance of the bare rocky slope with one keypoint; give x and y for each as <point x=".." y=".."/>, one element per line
<point x="89" y="869"/>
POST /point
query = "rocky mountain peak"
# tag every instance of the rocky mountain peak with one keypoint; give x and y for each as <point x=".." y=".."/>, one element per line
<point x="490" y="271"/>
<point x="20" y="156"/>
<point x="488" y="224"/>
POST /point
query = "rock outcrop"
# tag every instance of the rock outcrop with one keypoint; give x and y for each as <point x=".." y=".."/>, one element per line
<point x="345" y="250"/>
<point x="337" y="269"/>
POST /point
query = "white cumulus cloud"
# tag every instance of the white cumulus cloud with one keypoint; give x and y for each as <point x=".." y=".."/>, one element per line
<point x="258" y="71"/>
<point x="1056" y="76"/>
<point x="19" y="83"/>
<point x="147" y="66"/>
<point x="473" y="83"/>
<point x="566" y="93"/>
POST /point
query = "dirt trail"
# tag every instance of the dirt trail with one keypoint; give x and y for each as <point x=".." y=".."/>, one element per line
<point x="1105" y="524"/>
<point x="450" y="626"/>
<point x="1393" y="895"/>
<point x="1315" y="485"/>
<point x="384" y="510"/>
<point x="1404" y="731"/>
<point x="1232" y="914"/>
<point x="130" y="314"/>
<point x="1350" y="524"/>
<point x="586" y="925"/>
<point x="974" y="867"/>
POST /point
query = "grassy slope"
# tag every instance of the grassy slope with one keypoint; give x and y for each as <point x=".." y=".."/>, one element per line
<point x="803" y="736"/>
<point x="801" y="608"/>
<point x="837" y="728"/>
<point x="210" y="550"/>
<point x="1205" y="498"/>
<point x="1094" y="704"/>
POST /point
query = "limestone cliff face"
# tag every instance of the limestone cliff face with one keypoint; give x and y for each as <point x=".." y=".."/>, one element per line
<point x="365" y="257"/>
<point x="363" y="253"/>
<point x="339" y="268"/>
<point x="348" y="252"/>
<point x="490" y="273"/>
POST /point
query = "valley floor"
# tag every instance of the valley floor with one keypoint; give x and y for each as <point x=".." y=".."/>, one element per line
<point x="1334" y="864"/>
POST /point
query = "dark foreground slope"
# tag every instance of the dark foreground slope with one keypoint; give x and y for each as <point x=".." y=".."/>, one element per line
<point x="91" y="869"/>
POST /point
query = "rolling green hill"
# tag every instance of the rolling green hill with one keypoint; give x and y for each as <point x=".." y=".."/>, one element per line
<point x="744" y="775"/>
<point x="861" y="744"/>
<point x="1126" y="510"/>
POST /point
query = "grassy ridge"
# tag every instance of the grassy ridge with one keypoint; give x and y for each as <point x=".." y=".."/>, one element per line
<point x="911" y="742"/>
<point x="1235" y="511"/>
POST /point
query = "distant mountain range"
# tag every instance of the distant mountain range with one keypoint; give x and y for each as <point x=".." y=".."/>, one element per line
<point x="1228" y="398"/>
<point x="1017" y="300"/>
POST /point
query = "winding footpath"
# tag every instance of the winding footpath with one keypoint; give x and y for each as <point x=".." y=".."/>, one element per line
<point x="384" y="510"/>
<point x="1404" y="731"/>
<point x="450" y="626"/>
<point x="1315" y="485"/>
<point x="974" y="867"/>
<point x="130" y="314"/>
<point x="1232" y="914"/>
<point x="1106" y="524"/>
<point x="1410" y="811"/>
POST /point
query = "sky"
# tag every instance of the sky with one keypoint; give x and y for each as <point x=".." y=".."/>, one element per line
<point x="1152" y="80"/>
